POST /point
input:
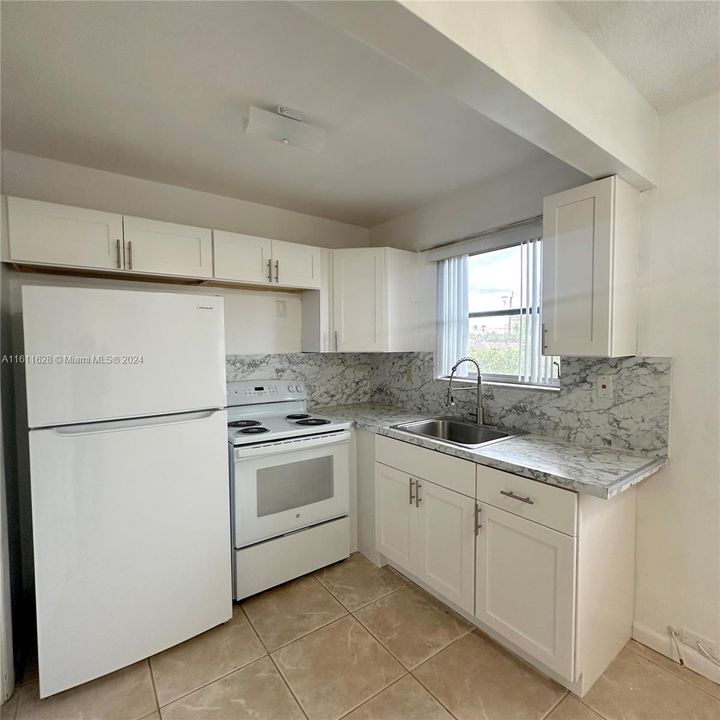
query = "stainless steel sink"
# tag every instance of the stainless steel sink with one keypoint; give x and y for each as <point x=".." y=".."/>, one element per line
<point x="457" y="432"/>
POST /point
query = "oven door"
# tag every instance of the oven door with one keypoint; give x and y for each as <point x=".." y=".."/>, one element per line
<point x="288" y="485"/>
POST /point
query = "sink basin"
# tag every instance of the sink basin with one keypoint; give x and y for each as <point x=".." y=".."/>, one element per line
<point x="457" y="432"/>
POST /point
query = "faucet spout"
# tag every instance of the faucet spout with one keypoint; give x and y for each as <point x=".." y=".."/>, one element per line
<point x="479" y="414"/>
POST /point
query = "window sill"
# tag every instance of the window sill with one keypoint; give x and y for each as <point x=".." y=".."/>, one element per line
<point x="469" y="382"/>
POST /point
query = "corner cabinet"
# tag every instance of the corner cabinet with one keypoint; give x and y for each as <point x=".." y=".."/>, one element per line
<point x="375" y="300"/>
<point x="262" y="261"/>
<point x="590" y="270"/>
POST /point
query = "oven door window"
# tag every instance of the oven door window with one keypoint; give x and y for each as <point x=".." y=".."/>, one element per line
<point x="285" y="487"/>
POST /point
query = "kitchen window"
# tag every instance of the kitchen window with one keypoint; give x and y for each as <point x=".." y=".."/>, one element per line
<point x="489" y="306"/>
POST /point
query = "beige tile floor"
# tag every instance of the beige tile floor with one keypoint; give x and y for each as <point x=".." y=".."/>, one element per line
<point x="357" y="642"/>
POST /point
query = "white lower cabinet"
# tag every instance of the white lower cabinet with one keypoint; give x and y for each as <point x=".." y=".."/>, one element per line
<point x="525" y="586"/>
<point x="427" y="530"/>
<point x="547" y="570"/>
<point x="395" y="516"/>
<point x="446" y="543"/>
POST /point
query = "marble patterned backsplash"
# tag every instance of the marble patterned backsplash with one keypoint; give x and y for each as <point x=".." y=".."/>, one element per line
<point x="330" y="378"/>
<point x="636" y="419"/>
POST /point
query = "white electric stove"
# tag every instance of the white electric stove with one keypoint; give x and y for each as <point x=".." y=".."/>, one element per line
<point x="289" y="475"/>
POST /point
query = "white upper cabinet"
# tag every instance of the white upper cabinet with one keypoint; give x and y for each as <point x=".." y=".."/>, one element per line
<point x="162" y="248"/>
<point x="262" y="261"/>
<point x="296" y="265"/>
<point x="49" y="234"/>
<point x="375" y="300"/>
<point x="590" y="269"/>
<point x="242" y="258"/>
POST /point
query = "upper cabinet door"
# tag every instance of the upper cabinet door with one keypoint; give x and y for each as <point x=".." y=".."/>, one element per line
<point x="162" y="248"/>
<point x="525" y="586"/>
<point x="446" y="547"/>
<point x="242" y="258"/>
<point x="296" y="265"/>
<point x="590" y="259"/>
<point x="51" y="234"/>
<point x="359" y="300"/>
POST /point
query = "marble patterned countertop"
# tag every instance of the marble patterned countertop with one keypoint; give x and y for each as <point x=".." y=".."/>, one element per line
<point x="603" y="472"/>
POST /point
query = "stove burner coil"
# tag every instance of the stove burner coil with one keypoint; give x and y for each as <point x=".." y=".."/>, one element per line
<point x="313" y="421"/>
<point x="253" y="430"/>
<point x="297" y="416"/>
<point x="244" y="423"/>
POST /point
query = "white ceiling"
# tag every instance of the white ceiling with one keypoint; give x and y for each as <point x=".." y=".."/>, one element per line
<point x="670" y="51"/>
<point x="159" y="90"/>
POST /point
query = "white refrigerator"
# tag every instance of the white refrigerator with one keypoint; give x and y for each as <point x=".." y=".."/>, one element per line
<point x="128" y="472"/>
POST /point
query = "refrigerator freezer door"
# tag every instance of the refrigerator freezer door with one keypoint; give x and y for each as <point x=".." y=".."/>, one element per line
<point x="131" y="541"/>
<point x="105" y="354"/>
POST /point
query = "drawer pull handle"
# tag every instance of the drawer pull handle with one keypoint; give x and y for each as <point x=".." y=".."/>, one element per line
<point x="511" y="494"/>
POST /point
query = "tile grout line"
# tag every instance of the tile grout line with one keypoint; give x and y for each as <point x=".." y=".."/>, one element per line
<point x="154" y="687"/>
<point x="384" y="646"/>
<point x="672" y="672"/>
<point x="220" y="677"/>
<point x="287" y="685"/>
<point x="554" y="706"/>
<point x="431" y="693"/>
<point x="372" y="697"/>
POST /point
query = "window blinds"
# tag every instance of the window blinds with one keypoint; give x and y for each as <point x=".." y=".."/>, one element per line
<point x="533" y="367"/>
<point x="452" y="307"/>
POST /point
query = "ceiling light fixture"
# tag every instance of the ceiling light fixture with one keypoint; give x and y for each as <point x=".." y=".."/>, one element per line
<point x="285" y="126"/>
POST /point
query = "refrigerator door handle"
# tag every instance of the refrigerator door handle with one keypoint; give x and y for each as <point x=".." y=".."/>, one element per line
<point x="133" y="423"/>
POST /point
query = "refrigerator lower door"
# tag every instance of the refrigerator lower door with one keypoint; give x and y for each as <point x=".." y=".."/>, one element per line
<point x="97" y="354"/>
<point x="131" y="540"/>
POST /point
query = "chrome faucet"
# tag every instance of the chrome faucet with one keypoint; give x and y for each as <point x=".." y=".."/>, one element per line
<point x="479" y="406"/>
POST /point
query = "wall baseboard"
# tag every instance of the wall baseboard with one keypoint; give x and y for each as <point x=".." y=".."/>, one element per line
<point x="663" y="644"/>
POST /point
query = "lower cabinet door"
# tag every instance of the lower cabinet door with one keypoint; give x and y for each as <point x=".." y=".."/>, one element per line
<point x="525" y="586"/>
<point x="395" y="516"/>
<point x="446" y="543"/>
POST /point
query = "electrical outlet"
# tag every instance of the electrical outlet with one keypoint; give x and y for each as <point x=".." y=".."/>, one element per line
<point x="281" y="307"/>
<point x="689" y="638"/>
<point x="604" y="387"/>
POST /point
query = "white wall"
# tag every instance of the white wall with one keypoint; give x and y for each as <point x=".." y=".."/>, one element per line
<point x="256" y="321"/>
<point x="42" y="179"/>
<point x="678" y="534"/>
<point x="514" y="196"/>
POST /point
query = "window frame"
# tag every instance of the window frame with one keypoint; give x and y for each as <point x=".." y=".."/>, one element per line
<point x="498" y="378"/>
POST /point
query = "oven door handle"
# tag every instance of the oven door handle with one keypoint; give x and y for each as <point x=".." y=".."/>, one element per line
<point x="278" y="447"/>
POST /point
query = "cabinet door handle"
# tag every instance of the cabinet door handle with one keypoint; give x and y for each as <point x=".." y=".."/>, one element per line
<point x="118" y="252"/>
<point x="130" y="267"/>
<point x="478" y="510"/>
<point x="270" y="270"/>
<point x="336" y="341"/>
<point x="544" y="338"/>
<point x="511" y="494"/>
<point x="412" y="497"/>
<point x="277" y="271"/>
<point x="418" y="499"/>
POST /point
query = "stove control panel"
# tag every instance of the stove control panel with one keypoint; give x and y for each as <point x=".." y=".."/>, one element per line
<point x="251" y="392"/>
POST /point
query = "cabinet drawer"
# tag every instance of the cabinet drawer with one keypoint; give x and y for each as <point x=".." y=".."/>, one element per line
<point x="450" y="472"/>
<point x="550" y="506"/>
